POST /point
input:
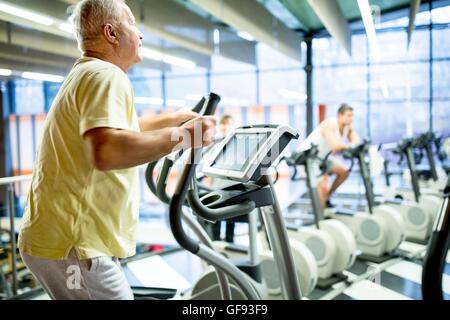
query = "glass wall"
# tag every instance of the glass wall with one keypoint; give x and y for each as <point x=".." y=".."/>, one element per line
<point x="23" y="91"/>
<point x="441" y="70"/>
<point x="404" y="92"/>
<point x="282" y="88"/>
<point x="236" y="89"/>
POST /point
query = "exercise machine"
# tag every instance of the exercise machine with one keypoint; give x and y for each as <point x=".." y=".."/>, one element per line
<point x="435" y="259"/>
<point x="433" y="178"/>
<point x="419" y="222"/>
<point x="380" y="230"/>
<point x="243" y="156"/>
<point x="331" y="241"/>
<point x="214" y="283"/>
<point x="246" y="258"/>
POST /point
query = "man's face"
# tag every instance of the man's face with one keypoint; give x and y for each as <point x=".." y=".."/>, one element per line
<point x="130" y="38"/>
<point x="346" y="118"/>
<point x="226" y="127"/>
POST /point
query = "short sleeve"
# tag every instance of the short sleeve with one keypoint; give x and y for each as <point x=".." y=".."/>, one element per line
<point x="104" y="99"/>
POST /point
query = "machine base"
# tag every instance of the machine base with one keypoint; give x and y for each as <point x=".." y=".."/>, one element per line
<point x="375" y="259"/>
<point x="328" y="282"/>
<point x="418" y="241"/>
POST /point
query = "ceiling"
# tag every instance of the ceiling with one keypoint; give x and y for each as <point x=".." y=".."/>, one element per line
<point x="310" y="22"/>
<point x="184" y="29"/>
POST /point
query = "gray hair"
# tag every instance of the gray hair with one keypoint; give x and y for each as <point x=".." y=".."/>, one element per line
<point x="89" y="17"/>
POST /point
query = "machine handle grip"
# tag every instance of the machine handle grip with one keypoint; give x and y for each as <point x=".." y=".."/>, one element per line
<point x="179" y="196"/>
<point x="161" y="182"/>
<point x="159" y="190"/>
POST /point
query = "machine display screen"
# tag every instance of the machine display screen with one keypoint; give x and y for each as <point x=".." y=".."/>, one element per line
<point x="240" y="149"/>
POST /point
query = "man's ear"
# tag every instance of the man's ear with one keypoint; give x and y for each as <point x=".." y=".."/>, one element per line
<point x="110" y="33"/>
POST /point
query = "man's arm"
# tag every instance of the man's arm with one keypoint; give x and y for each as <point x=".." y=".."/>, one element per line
<point x="353" y="136"/>
<point x="173" y="119"/>
<point x="112" y="149"/>
<point x="329" y="133"/>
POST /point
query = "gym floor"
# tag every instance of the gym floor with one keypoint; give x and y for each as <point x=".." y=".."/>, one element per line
<point x="395" y="279"/>
<point x="401" y="280"/>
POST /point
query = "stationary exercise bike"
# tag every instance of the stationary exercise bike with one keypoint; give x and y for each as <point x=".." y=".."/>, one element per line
<point x="380" y="230"/>
<point x="243" y="156"/>
<point x="330" y="240"/>
<point x="433" y="179"/>
<point x="307" y="272"/>
<point x="419" y="222"/>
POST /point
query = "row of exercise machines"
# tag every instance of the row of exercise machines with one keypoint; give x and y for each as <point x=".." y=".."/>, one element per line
<point x="293" y="261"/>
<point x="378" y="231"/>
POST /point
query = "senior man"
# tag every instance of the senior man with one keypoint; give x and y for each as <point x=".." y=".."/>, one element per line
<point x="82" y="208"/>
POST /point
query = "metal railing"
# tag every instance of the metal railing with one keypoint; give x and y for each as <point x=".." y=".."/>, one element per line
<point x="10" y="182"/>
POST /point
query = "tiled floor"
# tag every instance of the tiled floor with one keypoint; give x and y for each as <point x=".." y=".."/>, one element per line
<point x="400" y="281"/>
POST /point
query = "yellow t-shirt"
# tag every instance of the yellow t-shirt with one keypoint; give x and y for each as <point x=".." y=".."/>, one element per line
<point x="71" y="204"/>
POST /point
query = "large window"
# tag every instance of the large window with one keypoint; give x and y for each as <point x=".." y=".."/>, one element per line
<point x="340" y="84"/>
<point x="50" y="92"/>
<point x="441" y="117"/>
<point x="392" y="121"/>
<point x="440" y="14"/>
<point x="399" y="94"/>
<point x="337" y="85"/>
<point x="404" y="81"/>
<point x="328" y="52"/>
<point x="185" y="91"/>
<point x="394" y="47"/>
<point x="148" y="94"/>
<point x="282" y="87"/>
<point x="269" y="58"/>
<point x="441" y="45"/>
<point x="24" y="90"/>
<point x="441" y="71"/>
<point x="339" y="78"/>
<point x="441" y="79"/>
<point x="236" y="90"/>
<point x="221" y="64"/>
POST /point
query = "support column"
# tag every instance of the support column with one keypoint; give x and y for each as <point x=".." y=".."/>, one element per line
<point x="5" y="149"/>
<point x="309" y="87"/>
<point x="430" y="30"/>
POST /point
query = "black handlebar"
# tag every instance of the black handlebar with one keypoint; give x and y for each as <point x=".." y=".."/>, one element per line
<point x="149" y="176"/>
<point x="199" y="105"/>
<point x="355" y="151"/>
<point x="161" y="182"/>
<point x="158" y="188"/>
<point x="179" y="196"/>
<point x="435" y="259"/>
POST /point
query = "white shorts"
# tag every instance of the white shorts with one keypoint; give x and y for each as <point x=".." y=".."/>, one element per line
<point x="100" y="278"/>
<point x="331" y="163"/>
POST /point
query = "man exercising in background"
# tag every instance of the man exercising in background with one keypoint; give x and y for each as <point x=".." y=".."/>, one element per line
<point x="330" y="136"/>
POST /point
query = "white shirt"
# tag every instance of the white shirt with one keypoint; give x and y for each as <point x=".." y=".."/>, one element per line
<point x="316" y="137"/>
